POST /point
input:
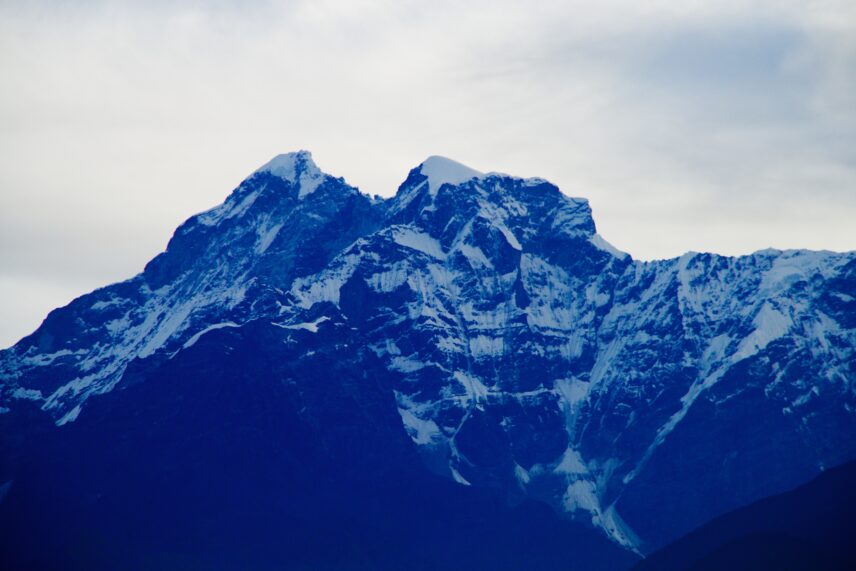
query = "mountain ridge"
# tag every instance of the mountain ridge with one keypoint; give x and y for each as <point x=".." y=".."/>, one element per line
<point x="524" y="351"/>
<point x="809" y="527"/>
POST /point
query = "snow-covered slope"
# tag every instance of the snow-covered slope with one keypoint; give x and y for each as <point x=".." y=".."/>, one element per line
<point x="523" y="351"/>
<point x="221" y="268"/>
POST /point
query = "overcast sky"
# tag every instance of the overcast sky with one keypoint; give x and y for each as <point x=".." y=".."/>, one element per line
<point x="709" y="126"/>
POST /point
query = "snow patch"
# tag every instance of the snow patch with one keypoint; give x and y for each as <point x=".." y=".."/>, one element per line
<point x="311" y="326"/>
<point x="390" y="280"/>
<point x="326" y="285"/>
<point x="474" y="387"/>
<point x="48" y="358"/>
<point x="521" y="474"/>
<point x="174" y="321"/>
<point x="192" y="341"/>
<point x="458" y="478"/>
<point x="420" y="241"/>
<point x="571" y="464"/>
<point x="484" y="346"/>
<point x="509" y="237"/>
<point x="475" y="256"/>
<point x="601" y="244"/>
<point x="70" y="416"/>
<point x="440" y="171"/>
<point x="100" y="305"/>
<point x="27" y="394"/>
<point x="580" y="495"/>
<point x="572" y="390"/>
<point x="406" y="364"/>
<point x="266" y="237"/>
<point x="790" y="267"/>
<point x="420" y="431"/>
<point x="770" y="324"/>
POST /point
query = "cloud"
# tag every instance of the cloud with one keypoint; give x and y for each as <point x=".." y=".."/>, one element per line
<point x="722" y="126"/>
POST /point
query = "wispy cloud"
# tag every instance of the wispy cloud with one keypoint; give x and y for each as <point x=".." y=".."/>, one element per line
<point x="724" y="126"/>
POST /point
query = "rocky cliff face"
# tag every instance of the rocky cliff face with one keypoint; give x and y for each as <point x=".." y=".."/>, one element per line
<point x="521" y="351"/>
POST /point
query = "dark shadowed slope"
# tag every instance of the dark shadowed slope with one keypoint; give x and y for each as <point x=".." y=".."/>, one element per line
<point x="811" y="528"/>
<point x="265" y="448"/>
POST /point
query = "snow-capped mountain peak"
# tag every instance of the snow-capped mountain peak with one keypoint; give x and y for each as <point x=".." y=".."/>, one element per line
<point x="441" y="170"/>
<point x="298" y="168"/>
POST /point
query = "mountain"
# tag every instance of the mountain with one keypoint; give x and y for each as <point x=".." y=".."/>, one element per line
<point x="808" y="528"/>
<point x="521" y="354"/>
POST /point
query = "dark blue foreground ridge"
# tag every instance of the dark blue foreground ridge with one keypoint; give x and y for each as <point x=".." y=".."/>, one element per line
<point x="473" y="333"/>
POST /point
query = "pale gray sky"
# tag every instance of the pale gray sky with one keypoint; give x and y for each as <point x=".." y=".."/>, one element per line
<point x="724" y="126"/>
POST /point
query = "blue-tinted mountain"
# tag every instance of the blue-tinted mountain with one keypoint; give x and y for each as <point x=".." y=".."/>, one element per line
<point x="521" y="352"/>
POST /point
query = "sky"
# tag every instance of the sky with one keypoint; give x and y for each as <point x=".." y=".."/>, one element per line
<point x="725" y="126"/>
